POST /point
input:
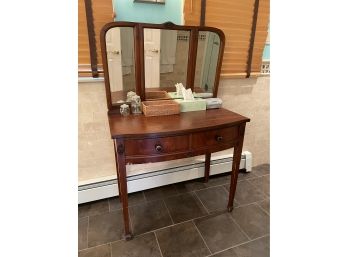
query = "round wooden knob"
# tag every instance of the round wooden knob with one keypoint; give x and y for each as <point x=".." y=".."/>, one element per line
<point x="218" y="138"/>
<point x="158" y="148"/>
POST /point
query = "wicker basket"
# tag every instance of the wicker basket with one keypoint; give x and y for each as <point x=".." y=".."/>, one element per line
<point x="157" y="95"/>
<point x="161" y="107"/>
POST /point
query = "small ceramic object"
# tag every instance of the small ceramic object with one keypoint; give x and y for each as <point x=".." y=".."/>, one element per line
<point x="136" y="104"/>
<point x="179" y="88"/>
<point x="124" y="110"/>
<point x="130" y="94"/>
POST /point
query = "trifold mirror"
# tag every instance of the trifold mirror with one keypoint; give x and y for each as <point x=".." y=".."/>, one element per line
<point x="120" y="61"/>
<point x="150" y="59"/>
<point x="166" y="55"/>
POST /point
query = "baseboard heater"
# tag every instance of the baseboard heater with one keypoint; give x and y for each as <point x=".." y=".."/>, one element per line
<point x="109" y="188"/>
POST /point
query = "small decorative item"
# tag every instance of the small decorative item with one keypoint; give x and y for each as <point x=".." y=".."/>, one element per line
<point x="130" y="94"/>
<point x="213" y="103"/>
<point x="179" y="89"/>
<point x="136" y="104"/>
<point x="124" y="110"/>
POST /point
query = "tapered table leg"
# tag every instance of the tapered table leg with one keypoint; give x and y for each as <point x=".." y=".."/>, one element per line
<point x="237" y="154"/>
<point x="118" y="175"/>
<point x="207" y="167"/>
<point x="121" y="166"/>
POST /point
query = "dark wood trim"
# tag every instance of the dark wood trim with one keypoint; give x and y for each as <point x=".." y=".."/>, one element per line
<point x="207" y="167"/>
<point x="166" y="25"/>
<point x="114" y="108"/>
<point x="237" y="154"/>
<point x="164" y="134"/>
<point x="203" y="8"/>
<point x="91" y="38"/>
<point x="221" y="35"/>
<point x="139" y="55"/>
<point x="191" y="62"/>
<point x="118" y="175"/>
<point x="141" y="61"/>
<point x="121" y="167"/>
<point x="252" y="38"/>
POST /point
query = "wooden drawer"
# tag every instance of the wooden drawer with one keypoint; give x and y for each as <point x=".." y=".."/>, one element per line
<point x="156" y="146"/>
<point x="214" y="137"/>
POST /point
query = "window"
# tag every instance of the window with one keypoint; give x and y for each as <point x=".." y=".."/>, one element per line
<point x="102" y="13"/>
<point x="235" y="18"/>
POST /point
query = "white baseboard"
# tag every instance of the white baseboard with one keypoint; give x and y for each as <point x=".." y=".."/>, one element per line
<point x="109" y="188"/>
<point x="90" y="79"/>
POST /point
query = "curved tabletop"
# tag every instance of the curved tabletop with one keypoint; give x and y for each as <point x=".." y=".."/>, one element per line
<point x="143" y="126"/>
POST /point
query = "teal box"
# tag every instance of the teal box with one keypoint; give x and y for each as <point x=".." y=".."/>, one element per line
<point x="193" y="105"/>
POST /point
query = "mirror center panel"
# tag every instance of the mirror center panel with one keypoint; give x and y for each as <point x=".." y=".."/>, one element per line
<point x="166" y="60"/>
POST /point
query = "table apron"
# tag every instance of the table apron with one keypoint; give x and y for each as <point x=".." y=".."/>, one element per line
<point x="138" y="159"/>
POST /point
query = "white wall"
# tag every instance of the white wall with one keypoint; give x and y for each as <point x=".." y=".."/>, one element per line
<point x="249" y="97"/>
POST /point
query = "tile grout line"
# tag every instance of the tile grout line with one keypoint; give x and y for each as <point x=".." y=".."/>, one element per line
<point x="101" y="245"/>
<point x="93" y="215"/>
<point x="235" y="222"/>
<point x="258" y="176"/>
<point x="234" y="200"/>
<point x="201" y="202"/>
<point x="194" y="224"/>
<point x="168" y="211"/>
<point x="135" y="236"/>
<point x="208" y="213"/>
<point x="262" y="209"/>
<point x="255" y="179"/>
<point x="216" y="210"/>
<point x="262" y="194"/>
<point x="228" y="192"/>
<point x="208" y="187"/>
<point x="153" y="231"/>
<point x="130" y="220"/>
<point x="252" y="203"/>
<point x="159" y="247"/>
<point x="172" y="225"/>
<point x="235" y="246"/>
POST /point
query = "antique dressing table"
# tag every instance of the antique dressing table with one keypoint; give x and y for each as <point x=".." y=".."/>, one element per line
<point x="150" y="57"/>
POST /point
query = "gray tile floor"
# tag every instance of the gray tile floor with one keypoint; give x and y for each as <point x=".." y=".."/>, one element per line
<point x="184" y="219"/>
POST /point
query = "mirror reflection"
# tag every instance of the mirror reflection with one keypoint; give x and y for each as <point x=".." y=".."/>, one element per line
<point x="165" y="57"/>
<point x="120" y="57"/>
<point x="206" y="62"/>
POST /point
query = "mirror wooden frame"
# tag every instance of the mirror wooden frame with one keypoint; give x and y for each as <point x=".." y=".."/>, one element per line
<point x="138" y="30"/>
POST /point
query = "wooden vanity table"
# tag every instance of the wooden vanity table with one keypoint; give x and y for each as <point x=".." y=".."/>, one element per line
<point x="142" y="139"/>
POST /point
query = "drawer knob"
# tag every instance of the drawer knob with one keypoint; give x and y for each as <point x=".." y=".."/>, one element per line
<point x="158" y="148"/>
<point x="218" y="138"/>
